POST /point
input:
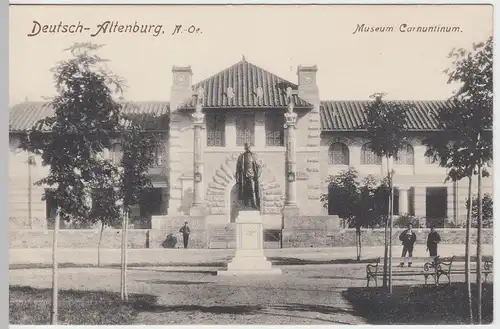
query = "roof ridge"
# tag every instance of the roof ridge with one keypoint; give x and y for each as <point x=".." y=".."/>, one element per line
<point x="391" y="100"/>
<point x="242" y="62"/>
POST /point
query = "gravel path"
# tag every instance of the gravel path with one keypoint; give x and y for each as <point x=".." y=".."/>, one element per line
<point x="306" y="294"/>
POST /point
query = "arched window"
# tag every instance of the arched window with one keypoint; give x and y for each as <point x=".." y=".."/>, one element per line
<point x="338" y="154"/>
<point x="117" y="153"/>
<point x="405" y="155"/>
<point x="368" y="157"/>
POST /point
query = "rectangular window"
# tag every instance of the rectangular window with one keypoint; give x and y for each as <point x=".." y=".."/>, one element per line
<point x="245" y="129"/>
<point x="216" y="128"/>
<point x="274" y="129"/>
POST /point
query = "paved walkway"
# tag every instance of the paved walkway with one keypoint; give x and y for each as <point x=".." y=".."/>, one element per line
<point x="305" y="295"/>
<point x="208" y="256"/>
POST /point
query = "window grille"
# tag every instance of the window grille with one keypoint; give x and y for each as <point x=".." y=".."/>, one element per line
<point x="368" y="157"/>
<point x="338" y="154"/>
<point x="216" y="128"/>
<point x="245" y="129"/>
<point x="274" y="129"/>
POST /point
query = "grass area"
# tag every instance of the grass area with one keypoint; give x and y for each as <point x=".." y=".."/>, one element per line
<point x="29" y="306"/>
<point x="419" y="305"/>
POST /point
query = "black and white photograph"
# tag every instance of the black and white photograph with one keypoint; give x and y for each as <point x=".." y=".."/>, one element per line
<point x="240" y="164"/>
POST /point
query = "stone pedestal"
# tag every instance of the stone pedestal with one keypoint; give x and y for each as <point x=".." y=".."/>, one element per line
<point x="249" y="258"/>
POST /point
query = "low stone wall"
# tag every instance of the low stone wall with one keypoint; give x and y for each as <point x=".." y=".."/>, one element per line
<point x="292" y="238"/>
<point x="301" y="222"/>
<point x="111" y="238"/>
<point x="308" y="238"/>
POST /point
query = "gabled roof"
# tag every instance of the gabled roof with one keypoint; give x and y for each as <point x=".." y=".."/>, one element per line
<point x="334" y="115"/>
<point x="245" y="78"/>
<point x="150" y="115"/>
<point x="351" y="115"/>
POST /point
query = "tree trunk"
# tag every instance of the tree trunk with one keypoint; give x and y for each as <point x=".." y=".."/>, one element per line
<point x="386" y="244"/>
<point x="125" y="292"/>
<point x="55" y="283"/>
<point x="479" y="285"/>
<point x="391" y="210"/>
<point x="358" y="243"/>
<point x="122" y="260"/>
<point x="99" y="246"/>
<point x="30" y="189"/>
<point x="386" y="251"/>
<point x="467" y="251"/>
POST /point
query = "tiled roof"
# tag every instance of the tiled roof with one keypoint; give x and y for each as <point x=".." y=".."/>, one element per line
<point x="334" y="115"/>
<point x="245" y="78"/>
<point x="150" y="115"/>
<point x="350" y="115"/>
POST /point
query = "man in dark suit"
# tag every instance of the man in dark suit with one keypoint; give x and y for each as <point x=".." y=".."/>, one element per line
<point x="408" y="238"/>
<point x="185" y="234"/>
<point x="432" y="242"/>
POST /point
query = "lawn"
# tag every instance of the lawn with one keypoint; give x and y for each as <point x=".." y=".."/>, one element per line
<point x="29" y="306"/>
<point x="418" y="304"/>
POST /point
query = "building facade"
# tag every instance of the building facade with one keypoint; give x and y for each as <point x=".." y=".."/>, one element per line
<point x="205" y="127"/>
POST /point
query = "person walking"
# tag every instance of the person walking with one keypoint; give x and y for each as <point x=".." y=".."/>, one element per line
<point x="185" y="234"/>
<point x="432" y="242"/>
<point x="408" y="238"/>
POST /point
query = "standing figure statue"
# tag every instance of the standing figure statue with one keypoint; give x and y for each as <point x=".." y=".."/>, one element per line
<point x="248" y="172"/>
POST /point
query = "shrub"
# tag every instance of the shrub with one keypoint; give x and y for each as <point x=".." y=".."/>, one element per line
<point x="405" y="220"/>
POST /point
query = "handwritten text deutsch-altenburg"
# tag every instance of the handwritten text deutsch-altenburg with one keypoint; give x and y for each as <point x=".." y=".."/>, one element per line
<point x="406" y="28"/>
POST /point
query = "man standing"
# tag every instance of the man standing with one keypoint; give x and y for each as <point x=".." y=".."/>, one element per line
<point x="408" y="238"/>
<point x="185" y="234"/>
<point x="432" y="241"/>
<point x="247" y="178"/>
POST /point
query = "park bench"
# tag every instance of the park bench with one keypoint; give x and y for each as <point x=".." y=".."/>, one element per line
<point x="375" y="270"/>
<point x="439" y="267"/>
<point x="434" y="267"/>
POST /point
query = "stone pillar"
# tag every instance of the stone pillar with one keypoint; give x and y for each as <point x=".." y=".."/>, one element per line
<point x="291" y="161"/>
<point x="403" y="200"/>
<point x="198" y="205"/>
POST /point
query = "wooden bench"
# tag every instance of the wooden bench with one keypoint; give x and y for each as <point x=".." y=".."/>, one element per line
<point x="439" y="267"/>
<point x="435" y="267"/>
<point x="375" y="270"/>
<point x="372" y="272"/>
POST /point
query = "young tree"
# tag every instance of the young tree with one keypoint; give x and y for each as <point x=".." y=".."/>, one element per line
<point x="464" y="143"/>
<point x="85" y="120"/>
<point x="343" y="194"/>
<point x="140" y="150"/>
<point x="487" y="210"/>
<point x="385" y="123"/>
<point x="356" y="203"/>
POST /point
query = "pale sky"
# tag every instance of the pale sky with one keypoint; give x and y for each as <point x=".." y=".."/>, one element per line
<point x="276" y="38"/>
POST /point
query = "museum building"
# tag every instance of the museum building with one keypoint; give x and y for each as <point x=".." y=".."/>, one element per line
<point x="299" y="140"/>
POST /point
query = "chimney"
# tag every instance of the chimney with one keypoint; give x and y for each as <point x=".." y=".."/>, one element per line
<point x="181" y="86"/>
<point x="308" y="89"/>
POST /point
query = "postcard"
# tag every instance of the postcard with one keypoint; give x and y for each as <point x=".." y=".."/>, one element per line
<point x="250" y="164"/>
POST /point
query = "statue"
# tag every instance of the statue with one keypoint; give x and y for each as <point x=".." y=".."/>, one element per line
<point x="248" y="172"/>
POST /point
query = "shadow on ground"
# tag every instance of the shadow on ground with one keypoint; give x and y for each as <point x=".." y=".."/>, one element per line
<point x="419" y="304"/>
<point x="180" y="282"/>
<point x="271" y="310"/>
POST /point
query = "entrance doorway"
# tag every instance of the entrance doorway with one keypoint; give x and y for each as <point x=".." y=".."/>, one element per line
<point x="436" y="205"/>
